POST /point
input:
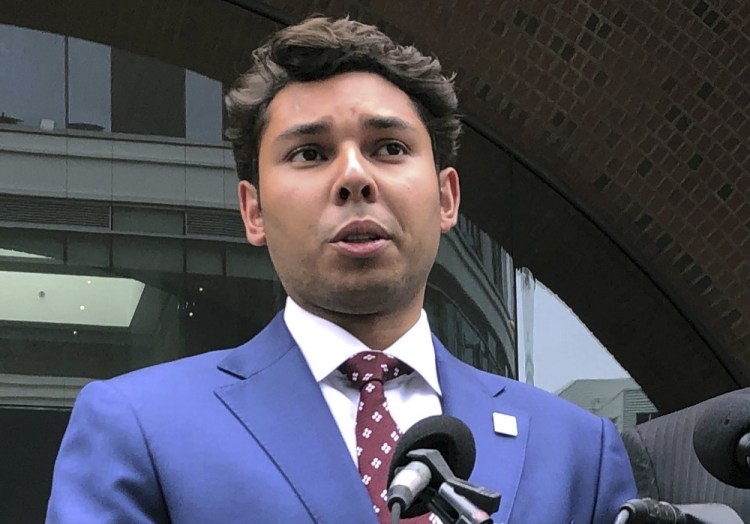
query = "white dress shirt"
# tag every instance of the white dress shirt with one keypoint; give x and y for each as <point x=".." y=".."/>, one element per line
<point x="326" y="346"/>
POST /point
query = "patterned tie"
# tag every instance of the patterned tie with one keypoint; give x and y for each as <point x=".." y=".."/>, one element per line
<point x="377" y="433"/>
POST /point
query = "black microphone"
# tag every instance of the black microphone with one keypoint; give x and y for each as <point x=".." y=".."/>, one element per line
<point x="721" y="438"/>
<point x="448" y="438"/>
<point x="650" y="511"/>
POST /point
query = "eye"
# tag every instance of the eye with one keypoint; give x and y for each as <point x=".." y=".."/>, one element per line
<point x="391" y="149"/>
<point x="306" y="154"/>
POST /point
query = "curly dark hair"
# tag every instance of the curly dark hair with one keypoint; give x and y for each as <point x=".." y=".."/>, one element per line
<point x="319" y="48"/>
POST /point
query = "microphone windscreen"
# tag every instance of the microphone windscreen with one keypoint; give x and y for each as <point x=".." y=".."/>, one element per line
<point x="717" y="432"/>
<point x="443" y="433"/>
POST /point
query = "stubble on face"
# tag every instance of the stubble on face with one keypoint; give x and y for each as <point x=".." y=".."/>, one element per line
<point x="363" y="289"/>
<point x="377" y="311"/>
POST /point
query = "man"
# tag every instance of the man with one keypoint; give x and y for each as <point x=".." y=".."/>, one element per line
<point x="344" y="144"/>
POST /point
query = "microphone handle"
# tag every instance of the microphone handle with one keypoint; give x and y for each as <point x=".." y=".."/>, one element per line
<point x="468" y="512"/>
<point x="650" y="511"/>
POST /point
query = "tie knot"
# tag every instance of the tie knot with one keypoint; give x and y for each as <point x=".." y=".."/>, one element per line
<point x="369" y="366"/>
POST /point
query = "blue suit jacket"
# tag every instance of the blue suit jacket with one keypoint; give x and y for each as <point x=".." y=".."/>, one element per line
<point x="245" y="436"/>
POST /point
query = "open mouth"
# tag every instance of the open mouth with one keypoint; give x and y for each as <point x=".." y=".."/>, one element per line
<point x="361" y="238"/>
<point x="360" y="232"/>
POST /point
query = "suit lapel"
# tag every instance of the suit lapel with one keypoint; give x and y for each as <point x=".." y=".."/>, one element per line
<point x="282" y="407"/>
<point x="473" y="397"/>
<point x="280" y="404"/>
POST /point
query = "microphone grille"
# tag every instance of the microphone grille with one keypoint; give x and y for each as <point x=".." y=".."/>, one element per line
<point x="446" y="434"/>
<point x="443" y="433"/>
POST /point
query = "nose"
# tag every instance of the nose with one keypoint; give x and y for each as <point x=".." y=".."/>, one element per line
<point x="355" y="182"/>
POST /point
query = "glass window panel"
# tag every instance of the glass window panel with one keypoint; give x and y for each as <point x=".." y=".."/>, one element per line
<point x="89" y="85"/>
<point x="203" y="111"/>
<point x="467" y="310"/>
<point x="32" y="76"/>
<point x="80" y="321"/>
<point x="148" y="96"/>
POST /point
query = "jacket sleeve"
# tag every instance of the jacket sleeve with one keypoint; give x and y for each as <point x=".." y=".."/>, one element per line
<point x="616" y="484"/>
<point x="104" y="472"/>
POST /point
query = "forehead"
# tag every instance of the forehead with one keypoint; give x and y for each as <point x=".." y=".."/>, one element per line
<point x="344" y="98"/>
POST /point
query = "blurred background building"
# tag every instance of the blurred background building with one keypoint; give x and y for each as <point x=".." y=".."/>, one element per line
<point x="619" y="400"/>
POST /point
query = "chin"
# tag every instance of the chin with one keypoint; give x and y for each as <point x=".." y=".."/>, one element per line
<point x="371" y="298"/>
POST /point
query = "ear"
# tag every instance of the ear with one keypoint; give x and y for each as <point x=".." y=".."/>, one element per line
<point x="252" y="215"/>
<point x="450" y="198"/>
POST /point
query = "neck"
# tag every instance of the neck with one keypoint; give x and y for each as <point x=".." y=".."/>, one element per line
<point x="377" y="331"/>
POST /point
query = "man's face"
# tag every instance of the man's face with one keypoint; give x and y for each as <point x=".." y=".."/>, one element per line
<point x="352" y="208"/>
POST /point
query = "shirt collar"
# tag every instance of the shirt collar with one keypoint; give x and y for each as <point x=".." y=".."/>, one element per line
<point x="326" y="346"/>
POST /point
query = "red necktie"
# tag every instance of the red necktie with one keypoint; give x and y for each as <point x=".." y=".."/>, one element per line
<point x="377" y="433"/>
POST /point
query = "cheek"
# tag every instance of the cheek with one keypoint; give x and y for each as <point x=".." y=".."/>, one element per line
<point x="421" y="201"/>
<point x="414" y="205"/>
<point x="290" y="199"/>
<point x="293" y="227"/>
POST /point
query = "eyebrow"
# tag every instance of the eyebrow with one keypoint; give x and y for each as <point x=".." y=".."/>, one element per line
<point x="322" y="126"/>
<point x="387" y="122"/>
<point x="307" y="129"/>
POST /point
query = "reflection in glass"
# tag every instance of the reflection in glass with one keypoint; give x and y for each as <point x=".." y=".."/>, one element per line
<point x="203" y="111"/>
<point x="469" y="299"/>
<point x="55" y="81"/>
<point x="89" y="85"/>
<point x="68" y="299"/>
<point x="32" y="77"/>
<point x="60" y="316"/>
<point x="148" y="96"/>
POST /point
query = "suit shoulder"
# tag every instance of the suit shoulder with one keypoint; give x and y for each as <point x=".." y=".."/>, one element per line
<point x="185" y="365"/>
<point x="183" y="377"/>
